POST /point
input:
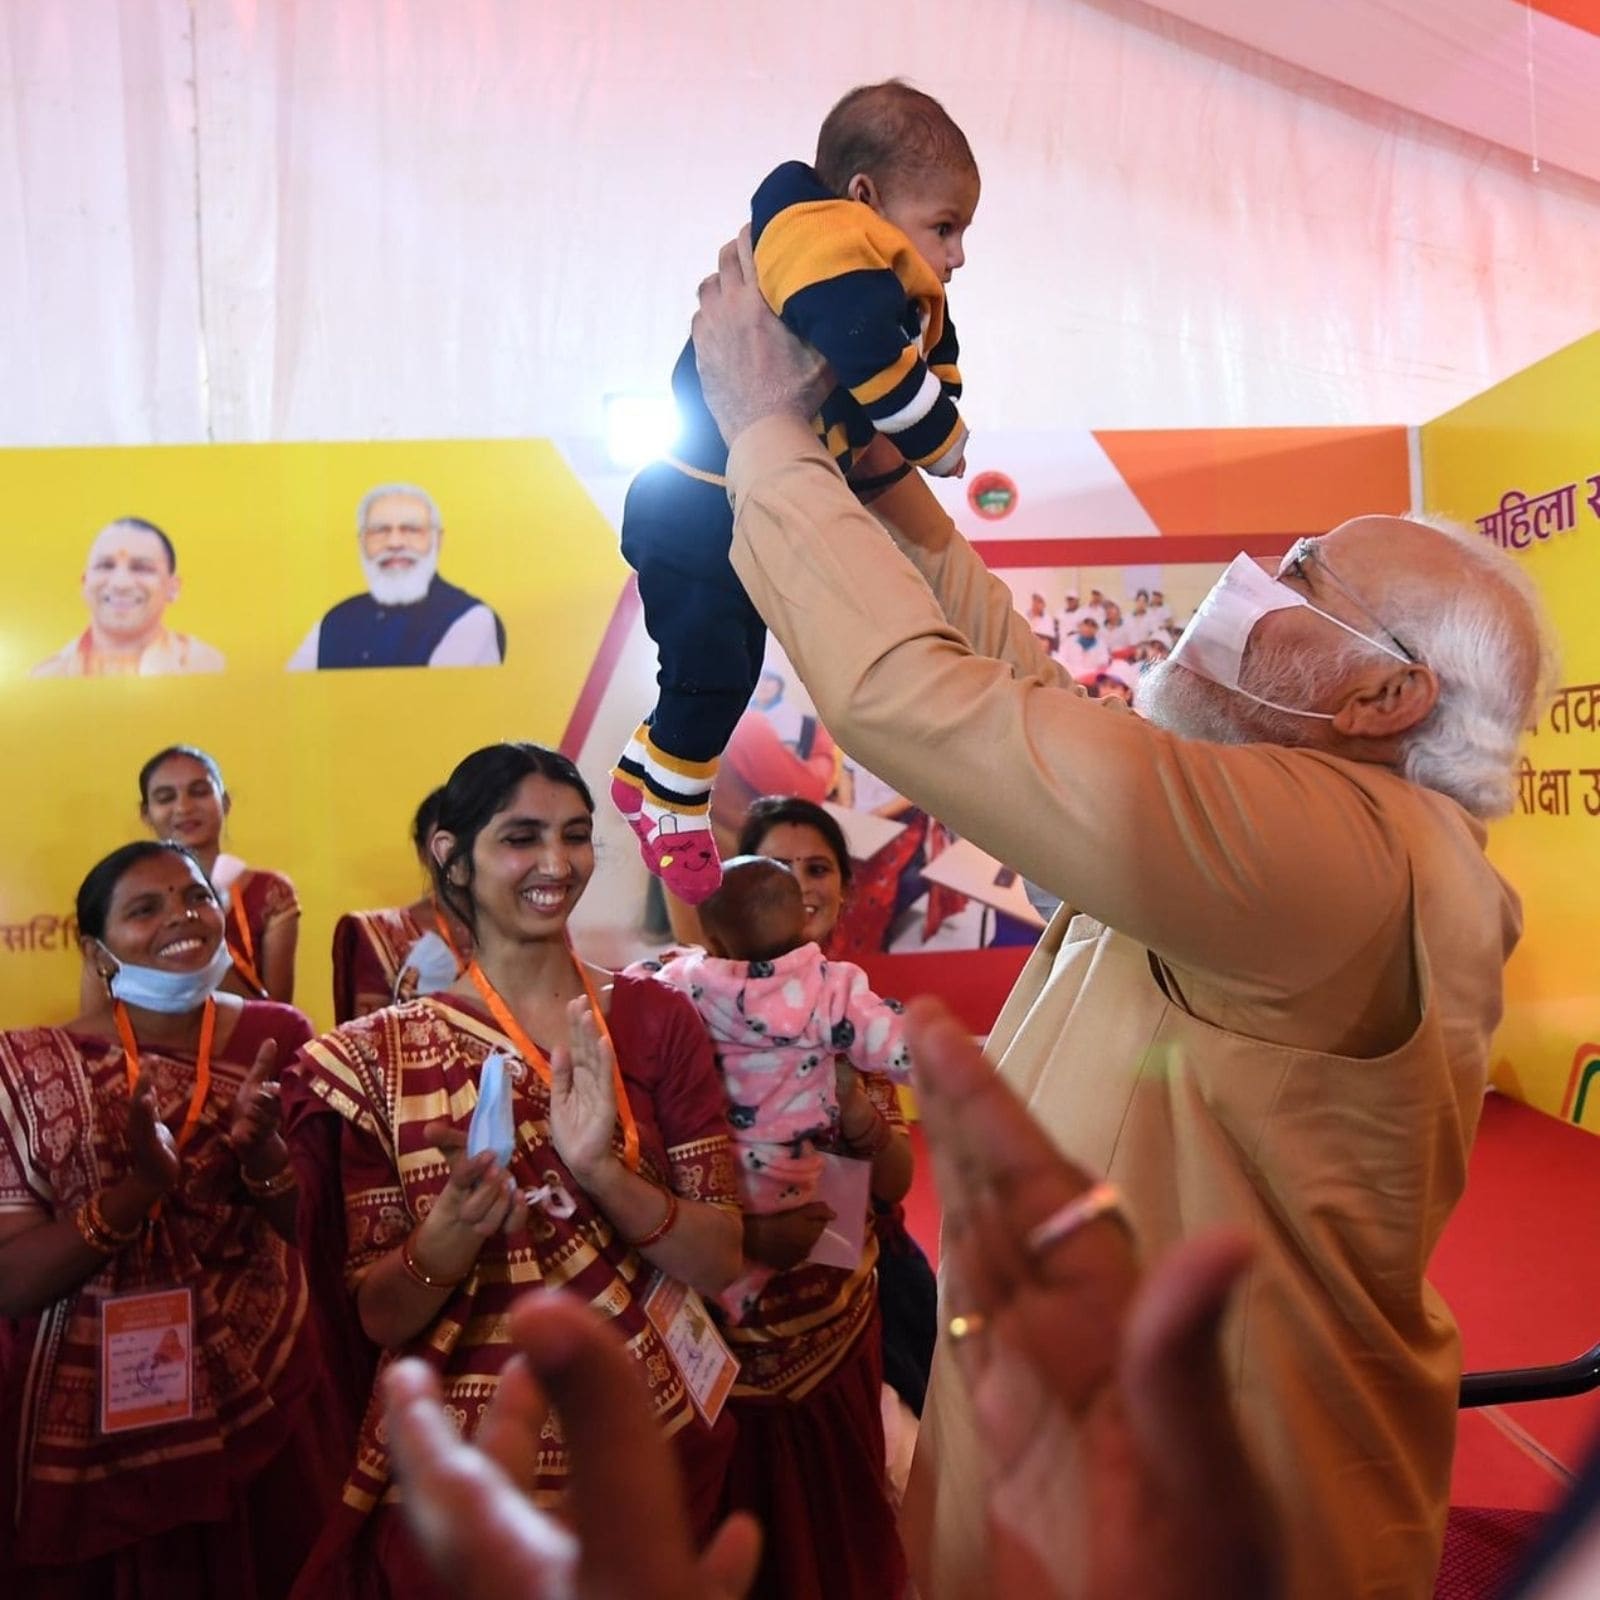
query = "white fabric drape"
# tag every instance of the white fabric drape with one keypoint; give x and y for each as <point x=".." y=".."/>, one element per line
<point x="1511" y="71"/>
<point x="280" y="219"/>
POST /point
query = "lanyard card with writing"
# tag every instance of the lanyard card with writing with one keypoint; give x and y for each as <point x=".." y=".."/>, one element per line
<point x="146" y="1360"/>
<point x="535" y="1057"/>
<point x="697" y="1348"/>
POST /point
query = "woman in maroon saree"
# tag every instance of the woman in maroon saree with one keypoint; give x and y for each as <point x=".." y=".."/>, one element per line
<point x="810" y="1458"/>
<point x="182" y="797"/>
<point x="619" y="1140"/>
<point x="139" y="1153"/>
<point x="397" y="953"/>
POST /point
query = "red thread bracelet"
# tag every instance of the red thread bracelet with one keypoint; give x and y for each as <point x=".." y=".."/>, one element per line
<point x="662" y="1228"/>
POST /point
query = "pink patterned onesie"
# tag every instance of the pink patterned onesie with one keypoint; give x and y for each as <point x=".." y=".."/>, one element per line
<point x="776" y="1027"/>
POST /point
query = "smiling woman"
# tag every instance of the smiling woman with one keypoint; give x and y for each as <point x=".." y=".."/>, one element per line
<point x="619" y="1156"/>
<point x="129" y="580"/>
<point x="142" y="1175"/>
<point x="819" y="1345"/>
<point x="398" y="952"/>
<point x="182" y="797"/>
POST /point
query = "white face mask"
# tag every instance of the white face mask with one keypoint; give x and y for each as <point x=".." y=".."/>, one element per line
<point x="1213" y="644"/>
<point x="156" y="989"/>
<point x="434" y="963"/>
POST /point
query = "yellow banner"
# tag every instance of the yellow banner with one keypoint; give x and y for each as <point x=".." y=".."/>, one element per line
<point x="325" y="767"/>
<point x="1522" y="464"/>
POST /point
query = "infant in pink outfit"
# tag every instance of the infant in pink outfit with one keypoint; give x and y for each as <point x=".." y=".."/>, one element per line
<point x="778" y="1013"/>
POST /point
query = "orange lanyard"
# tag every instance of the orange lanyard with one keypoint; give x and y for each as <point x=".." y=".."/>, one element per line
<point x="241" y="946"/>
<point x="202" y="1064"/>
<point x="442" y="917"/>
<point x="535" y="1057"/>
<point x="202" y="1074"/>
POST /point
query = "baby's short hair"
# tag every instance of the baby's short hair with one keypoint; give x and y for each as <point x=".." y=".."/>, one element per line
<point x="758" y="913"/>
<point x="889" y="131"/>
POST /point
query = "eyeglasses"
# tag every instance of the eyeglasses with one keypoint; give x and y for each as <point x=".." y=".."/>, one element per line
<point x="1302" y="553"/>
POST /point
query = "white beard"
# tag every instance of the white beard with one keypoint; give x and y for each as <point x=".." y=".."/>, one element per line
<point x="1182" y="702"/>
<point x="403" y="588"/>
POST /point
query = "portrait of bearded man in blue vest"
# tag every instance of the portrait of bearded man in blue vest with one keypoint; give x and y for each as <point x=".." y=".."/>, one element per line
<point x="409" y="616"/>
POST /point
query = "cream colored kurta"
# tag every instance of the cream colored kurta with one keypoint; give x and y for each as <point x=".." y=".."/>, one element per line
<point x="1266" y="1002"/>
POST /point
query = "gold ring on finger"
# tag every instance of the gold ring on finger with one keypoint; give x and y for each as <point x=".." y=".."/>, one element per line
<point x="965" y="1325"/>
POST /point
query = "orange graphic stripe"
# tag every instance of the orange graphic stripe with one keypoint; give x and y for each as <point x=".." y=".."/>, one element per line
<point x="1261" y="480"/>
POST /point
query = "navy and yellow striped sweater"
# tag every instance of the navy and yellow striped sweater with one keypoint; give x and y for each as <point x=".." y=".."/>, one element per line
<point x="850" y="283"/>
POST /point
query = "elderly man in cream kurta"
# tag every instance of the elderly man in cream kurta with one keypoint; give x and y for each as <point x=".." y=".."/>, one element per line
<point x="1268" y="996"/>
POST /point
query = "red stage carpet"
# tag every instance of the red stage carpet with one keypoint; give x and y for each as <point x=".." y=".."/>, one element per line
<point x="1519" y="1266"/>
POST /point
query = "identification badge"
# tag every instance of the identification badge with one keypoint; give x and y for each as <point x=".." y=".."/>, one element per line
<point x="697" y="1349"/>
<point x="146" y="1360"/>
<point x="845" y="1186"/>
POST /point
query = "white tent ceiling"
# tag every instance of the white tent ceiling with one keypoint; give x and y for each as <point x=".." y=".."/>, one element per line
<point x="1524" y="74"/>
<point x="405" y="218"/>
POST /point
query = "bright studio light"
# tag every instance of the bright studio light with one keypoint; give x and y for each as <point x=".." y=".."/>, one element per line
<point x="639" y="427"/>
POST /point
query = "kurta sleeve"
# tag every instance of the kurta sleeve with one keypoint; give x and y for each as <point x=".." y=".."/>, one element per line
<point x="1263" y="865"/>
<point x="976" y="602"/>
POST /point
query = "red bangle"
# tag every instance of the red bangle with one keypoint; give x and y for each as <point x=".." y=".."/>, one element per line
<point x="662" y="1228"/>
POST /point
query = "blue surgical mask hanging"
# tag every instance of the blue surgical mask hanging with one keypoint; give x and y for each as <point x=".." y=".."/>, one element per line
<point x="434" y="963"/>
<point x="157" y="989"/>
<point x="493" y="1126"/>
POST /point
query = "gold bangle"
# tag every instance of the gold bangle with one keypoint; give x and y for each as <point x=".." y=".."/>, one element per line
<point x="88" y="1233"/>
<point x="662" y="1228"/>
<point x="417" y="1275"/>
<point x="97" y="1232"/>
<point x="279" y="1182"/>
<point x="118" y="1236"/>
